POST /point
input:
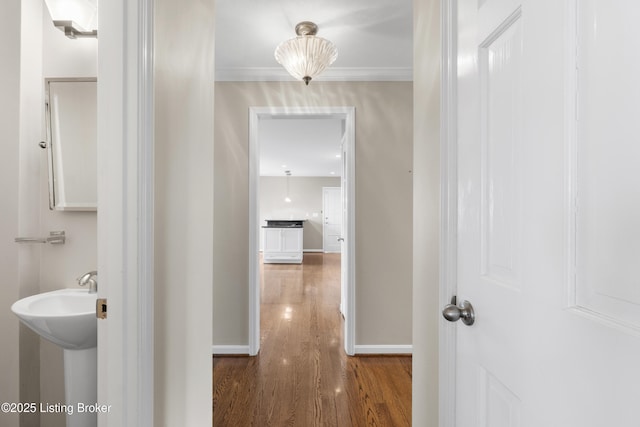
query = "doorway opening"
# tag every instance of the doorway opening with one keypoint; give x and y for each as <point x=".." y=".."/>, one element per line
<point x="346" y="115"/>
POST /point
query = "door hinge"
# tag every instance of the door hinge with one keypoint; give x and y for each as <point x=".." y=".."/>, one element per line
<point x="101" y="308"/>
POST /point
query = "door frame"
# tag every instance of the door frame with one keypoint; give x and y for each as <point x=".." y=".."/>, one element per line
<point x="448" y="210"/>
<point x="125" y="212"/>
<point x="255" y="114"/>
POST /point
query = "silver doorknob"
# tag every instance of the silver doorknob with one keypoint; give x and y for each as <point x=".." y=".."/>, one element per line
<point x="340" y="239"/>
<point x="453" y="313"/>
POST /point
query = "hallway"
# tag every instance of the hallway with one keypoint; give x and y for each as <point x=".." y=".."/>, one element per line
<point x="302" y="376"/>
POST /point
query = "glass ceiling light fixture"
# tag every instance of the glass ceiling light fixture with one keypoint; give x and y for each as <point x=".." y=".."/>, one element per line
<point x="75" y="18"/>
<point x="306" y="55"/>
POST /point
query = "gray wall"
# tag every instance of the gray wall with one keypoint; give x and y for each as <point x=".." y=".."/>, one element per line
<point x="9" y="160"/>
<point x="426" y="208"/>
<point x="384" y="147"/>
<point x="306" y="201"/>
<point x="183" y="211"/>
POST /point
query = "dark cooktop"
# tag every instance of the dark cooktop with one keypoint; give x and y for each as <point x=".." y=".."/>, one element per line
<point x="284" y="223"/>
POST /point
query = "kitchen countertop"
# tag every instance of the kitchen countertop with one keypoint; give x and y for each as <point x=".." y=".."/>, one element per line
<point x="284" y="223"/>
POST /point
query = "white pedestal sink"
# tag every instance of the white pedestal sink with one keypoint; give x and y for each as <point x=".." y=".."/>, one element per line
<point x="67" y="317"/>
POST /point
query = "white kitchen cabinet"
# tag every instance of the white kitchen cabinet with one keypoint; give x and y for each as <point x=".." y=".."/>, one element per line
<point x="282" y="245"/>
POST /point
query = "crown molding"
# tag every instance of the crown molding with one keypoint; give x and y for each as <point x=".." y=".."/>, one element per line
<point x="267" y="74"/>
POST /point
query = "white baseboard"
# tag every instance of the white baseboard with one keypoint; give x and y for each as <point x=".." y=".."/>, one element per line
<point x="383" y="349"/>
<point x="304" y="250"/>
<point x="359" y="349"/>
<point x="230" y="349"/>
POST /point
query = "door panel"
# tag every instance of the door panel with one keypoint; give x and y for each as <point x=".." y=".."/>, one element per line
<point x="501" y="124"/>
<point x="498" y="406"/>
<point x="491" y="183"/>
<point x="291" y="240"/>
<point x="548" y="212"/>
<point x="608" y="187"/>
<point x="272" y="240"/>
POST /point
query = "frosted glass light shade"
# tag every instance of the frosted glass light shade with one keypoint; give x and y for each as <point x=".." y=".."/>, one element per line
<point x="83" y="14"/>
<point x="306" y="56"/>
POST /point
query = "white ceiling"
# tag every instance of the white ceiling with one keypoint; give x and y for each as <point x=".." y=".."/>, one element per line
<point x="373" y="37"/>
<point x="304" y="146"/>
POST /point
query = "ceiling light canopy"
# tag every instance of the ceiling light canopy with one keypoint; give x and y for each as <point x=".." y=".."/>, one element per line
<point x="76" y="18"/>
<point x="306" y="56"/>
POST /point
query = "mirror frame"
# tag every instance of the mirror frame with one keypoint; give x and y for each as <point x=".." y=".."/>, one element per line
<point x="50" y="148"/>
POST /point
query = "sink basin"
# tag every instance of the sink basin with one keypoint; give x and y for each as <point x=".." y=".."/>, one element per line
<point x="66" y="317"/>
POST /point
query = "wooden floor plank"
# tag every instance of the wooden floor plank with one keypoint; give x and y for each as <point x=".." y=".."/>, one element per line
<point x="302" y="377"/>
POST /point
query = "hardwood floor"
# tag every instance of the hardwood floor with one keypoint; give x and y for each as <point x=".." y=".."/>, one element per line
<point x="302" y="377"/>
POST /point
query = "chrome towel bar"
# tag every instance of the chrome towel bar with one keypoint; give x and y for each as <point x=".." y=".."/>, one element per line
<point x="55" y="238"/>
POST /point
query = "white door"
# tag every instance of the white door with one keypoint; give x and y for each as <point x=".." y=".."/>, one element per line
<point x="344" y="257"/>
<point x="548" y="213"/>
<point x="332" y="218"/>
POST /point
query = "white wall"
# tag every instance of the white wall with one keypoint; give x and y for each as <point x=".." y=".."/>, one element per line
<point x="31" y="118"/>
<point x="31" y="48"/>
<point x="306" y="203"/>
<point x="426" y="208"/>
<point x="62" y="264"/>
<point x="10" y="35"/>
<point x="29" y="269"/>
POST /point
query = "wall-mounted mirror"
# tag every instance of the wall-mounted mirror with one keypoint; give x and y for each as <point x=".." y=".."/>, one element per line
<point x="71" y="114"/>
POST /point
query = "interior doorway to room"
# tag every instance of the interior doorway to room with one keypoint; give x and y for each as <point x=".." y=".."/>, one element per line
<point x="334" y="164"/>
